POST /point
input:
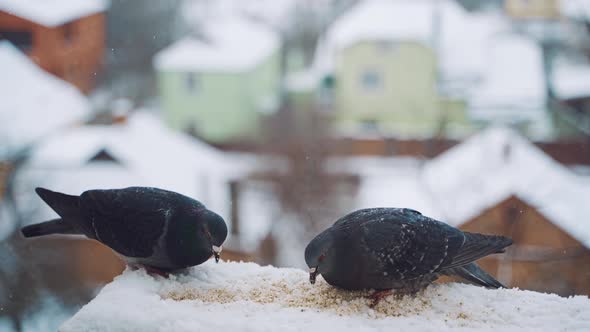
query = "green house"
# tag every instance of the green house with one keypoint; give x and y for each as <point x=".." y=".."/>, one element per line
<point x="221" y="83"/>
<point x="383" y="61"/>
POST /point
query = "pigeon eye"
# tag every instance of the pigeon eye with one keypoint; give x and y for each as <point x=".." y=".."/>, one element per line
<point x="321" y="258"/>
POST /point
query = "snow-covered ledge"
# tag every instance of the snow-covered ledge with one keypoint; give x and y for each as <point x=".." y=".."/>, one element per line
<point x="248" y="297"/>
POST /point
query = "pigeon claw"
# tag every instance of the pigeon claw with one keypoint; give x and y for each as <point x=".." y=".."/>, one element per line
<point x="378" y="296"/>
<point x="313" y="273"/>
<point x="216" y="253"/>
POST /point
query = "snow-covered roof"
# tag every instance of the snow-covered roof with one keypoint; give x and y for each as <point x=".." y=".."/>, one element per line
<point x="230" y="43"/>
<point x="143" y="145"/>
<point x="514" y="80"/>
<point x="52" y="13"/>
<point x="33" y="103"/>
<point x="570" y="80"/>
<point x="498" y="163"/>
<point x="247" y="297"/>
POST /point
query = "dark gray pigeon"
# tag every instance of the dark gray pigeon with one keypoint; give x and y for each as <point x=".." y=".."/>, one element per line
<point x="158" y="229"/>
<point x="388" y="248"/>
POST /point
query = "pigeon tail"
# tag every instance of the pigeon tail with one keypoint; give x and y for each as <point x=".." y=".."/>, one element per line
<point x="472" y="272"/>
<point x="65" y="205"/>
<point x="55" y="226"/>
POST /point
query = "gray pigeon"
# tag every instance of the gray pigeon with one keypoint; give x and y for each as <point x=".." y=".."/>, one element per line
<point x="158" y="229"/>
<point x="389" y="248"/>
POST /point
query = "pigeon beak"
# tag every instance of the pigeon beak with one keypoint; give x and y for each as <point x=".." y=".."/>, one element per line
<point x="313" y="272"/>
<point x="217" y="253"/>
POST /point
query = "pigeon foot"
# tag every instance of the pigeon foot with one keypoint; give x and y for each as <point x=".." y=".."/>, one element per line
<point x="378" y="296"/>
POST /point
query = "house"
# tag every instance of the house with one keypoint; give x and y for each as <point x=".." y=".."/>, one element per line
<point x="533" y="9"/>
<point x="64" y="37"/>
<point x="497" y="182"/>
<point x="384" y="66"/>
<point x="416" y="69"/>
<point x="34" y="104"/>
<point x="220" y="84"/>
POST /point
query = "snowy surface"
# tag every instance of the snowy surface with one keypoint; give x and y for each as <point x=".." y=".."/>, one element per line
<point x="34" y="103"/>
<point x="55" y="12"/>
<point x="498" y="163"/>
<point x="221" y="47"/>
<point x="247" y="297"/>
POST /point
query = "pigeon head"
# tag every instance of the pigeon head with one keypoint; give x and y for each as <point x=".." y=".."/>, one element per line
<point x="215" y="230"/>
<point x="318" y="254"/>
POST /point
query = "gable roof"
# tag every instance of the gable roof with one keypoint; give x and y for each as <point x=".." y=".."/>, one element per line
<point x="143" y="143"/>
<point x="52" y="13"/>
<point x="34" y="103"/>
<point x="229" y="44"/>
<point x="498" y="163"/>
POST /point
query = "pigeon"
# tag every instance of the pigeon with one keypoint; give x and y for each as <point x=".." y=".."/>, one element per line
<point x="399" y="249"/>
<point x="157" y="229"/>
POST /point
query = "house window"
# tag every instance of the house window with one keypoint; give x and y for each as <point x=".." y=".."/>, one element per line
<point x="192" y="82"/>
<point x="371" y="80"/>
<point x="21" y="39"/>
<point x="370" y="125"/>
<point x="69" y="33"/>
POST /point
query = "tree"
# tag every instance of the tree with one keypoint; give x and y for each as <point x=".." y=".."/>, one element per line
<point x="136" y="31"/>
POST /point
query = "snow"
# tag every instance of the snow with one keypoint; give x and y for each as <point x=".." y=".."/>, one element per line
<point x="248" y="297"/>
<point x="498" y="163"/>
<point x="229" y="43"/>
<point x="34" y="103"/>
<point x="389" y="20"/>
<point x="570" y="80"/>
<point x="52" y="13"/>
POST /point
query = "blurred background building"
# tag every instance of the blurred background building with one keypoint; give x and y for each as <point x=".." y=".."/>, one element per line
<point x="283" y="115"/>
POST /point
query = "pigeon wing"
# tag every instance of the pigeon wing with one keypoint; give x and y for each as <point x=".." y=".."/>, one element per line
<point x="408" y="245"/>
<point x="130" y="221"/>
